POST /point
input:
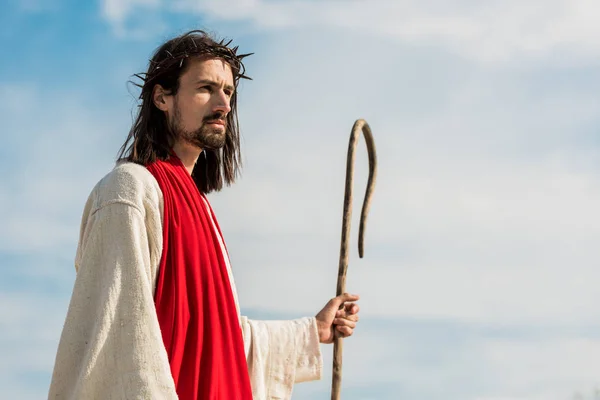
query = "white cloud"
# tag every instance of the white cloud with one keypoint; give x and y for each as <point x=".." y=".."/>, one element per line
<point x="464" y="361"/>
<point x="30" y="324"/>
<point x="52" y="157"/>
<point x="485" y="31"/>
<point x="118" y="11"/>
<point x="122" y="15"/>
<point x="547" y="364"/>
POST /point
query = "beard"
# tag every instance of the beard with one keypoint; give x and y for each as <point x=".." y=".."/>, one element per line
<point x="205" y="137"/>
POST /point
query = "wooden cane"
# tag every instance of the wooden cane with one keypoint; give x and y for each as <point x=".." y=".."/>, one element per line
<point x="359" y="125"/>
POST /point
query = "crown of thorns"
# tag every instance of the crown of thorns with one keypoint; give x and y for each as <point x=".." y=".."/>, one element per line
<point x="176" y="59"/>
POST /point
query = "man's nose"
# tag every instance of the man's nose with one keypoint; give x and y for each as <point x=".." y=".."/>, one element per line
<point x="222" y="103"/>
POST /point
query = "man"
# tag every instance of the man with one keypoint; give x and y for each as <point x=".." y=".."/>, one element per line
<point x="154" y="312"/>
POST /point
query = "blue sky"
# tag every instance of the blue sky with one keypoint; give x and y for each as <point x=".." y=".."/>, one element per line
<point x="480" y="274"/>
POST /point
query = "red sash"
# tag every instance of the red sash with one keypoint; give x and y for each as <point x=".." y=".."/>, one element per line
<point x="194" y="301"/>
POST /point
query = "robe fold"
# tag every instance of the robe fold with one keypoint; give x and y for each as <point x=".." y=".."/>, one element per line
<point x="111" y="345"/>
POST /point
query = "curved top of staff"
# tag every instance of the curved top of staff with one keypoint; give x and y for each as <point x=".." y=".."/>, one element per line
<point x="362" y="125"/>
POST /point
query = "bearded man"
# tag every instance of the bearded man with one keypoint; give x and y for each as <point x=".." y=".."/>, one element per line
<point x="154" y="312"/>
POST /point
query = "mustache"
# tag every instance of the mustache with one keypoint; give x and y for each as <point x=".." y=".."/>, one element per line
<point x="218" y="116"/>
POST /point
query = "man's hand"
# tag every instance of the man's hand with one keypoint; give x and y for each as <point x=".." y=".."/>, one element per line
<point x="337" y="314"/>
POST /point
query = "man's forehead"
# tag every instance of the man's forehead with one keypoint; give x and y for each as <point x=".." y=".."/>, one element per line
<point x="209" y="66"/>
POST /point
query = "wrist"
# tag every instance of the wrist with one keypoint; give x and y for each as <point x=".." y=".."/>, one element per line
<point x="324" y="332"/>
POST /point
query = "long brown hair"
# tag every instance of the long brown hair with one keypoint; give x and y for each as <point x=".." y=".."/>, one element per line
<point x="150" y="137"/>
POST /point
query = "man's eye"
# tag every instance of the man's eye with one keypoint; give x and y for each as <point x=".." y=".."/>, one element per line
<point x="207" y="88"/>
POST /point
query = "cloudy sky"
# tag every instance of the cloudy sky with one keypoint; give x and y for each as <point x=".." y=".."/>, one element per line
<point x="480" y="276"/>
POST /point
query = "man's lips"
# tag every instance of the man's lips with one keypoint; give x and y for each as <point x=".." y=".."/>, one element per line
<point x="216" y="122"/>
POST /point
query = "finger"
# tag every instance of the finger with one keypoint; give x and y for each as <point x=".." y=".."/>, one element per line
<point x="350" y="321"/>
<point x="353" y="317"/>
<point x="342" y="298"/>
<point x="352" y="308"/>
<point x="344" y="322"/>
<point x="346" y="314"/>
<point x="345" y="331"/>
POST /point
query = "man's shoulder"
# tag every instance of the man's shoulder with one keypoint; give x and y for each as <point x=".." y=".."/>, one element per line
<point x="128" y="175"/>
<point x="128" y="183"/>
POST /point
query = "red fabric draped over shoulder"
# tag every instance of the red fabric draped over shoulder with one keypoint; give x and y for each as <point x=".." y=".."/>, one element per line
<point x="194" y="301"/>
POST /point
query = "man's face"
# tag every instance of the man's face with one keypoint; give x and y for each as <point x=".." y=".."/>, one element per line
<point x="197" y="113"/>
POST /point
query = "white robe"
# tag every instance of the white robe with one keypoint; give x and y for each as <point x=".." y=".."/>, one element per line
<point x="111" y="345"/>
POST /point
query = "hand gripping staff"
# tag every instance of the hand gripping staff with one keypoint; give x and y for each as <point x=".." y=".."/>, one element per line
<point x="359" y="125"/>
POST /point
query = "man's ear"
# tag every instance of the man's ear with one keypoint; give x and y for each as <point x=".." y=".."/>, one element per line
<point x="160" y="98"/>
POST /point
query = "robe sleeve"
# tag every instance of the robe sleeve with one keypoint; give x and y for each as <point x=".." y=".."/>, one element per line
<point x="281" y="353"/>
<point x="111" y="346"/>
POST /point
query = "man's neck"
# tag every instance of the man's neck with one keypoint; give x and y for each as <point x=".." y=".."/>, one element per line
<point x="188" y="154"/>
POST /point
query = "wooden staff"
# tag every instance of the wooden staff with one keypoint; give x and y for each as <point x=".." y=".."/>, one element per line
<point x="359" y="125"/>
